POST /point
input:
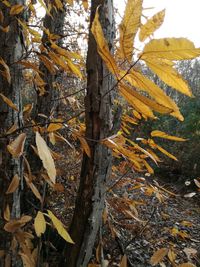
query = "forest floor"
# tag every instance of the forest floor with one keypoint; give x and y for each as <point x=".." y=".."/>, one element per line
<point x="170" y="225"/>
<point x="143" y="215"/>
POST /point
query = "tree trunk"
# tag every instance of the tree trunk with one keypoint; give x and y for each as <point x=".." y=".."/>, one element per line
<point x="95" y="170"/>
<point x="45" y="104"/>
<point x="11" y="50"/>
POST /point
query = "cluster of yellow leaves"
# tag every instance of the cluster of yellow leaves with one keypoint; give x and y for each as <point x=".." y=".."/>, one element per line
<point x="161" y="253"/>
<point x="40" y="225"/>
<point x="158" y="54"/>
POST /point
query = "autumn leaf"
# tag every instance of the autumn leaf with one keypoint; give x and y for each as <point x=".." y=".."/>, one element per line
<point x="54" y="127"/>
<point x="33" y="188"/>
<point x="158" y="256"/>
<point x="85" y="4"/>
<point x="129" y="27"/>
<point x="136" y="79"/>
<point x="16" y="9"/>
<point x="161" y="134"/>
<point x="123" y="262"/>
<point x="85" y="146"/>
<point x="6" y="213"/>
<point x="187" y="264"/>
<point x="13" y="185"/>
<point x="39" y="224"/>
<point x="12" y="129"/>
<point x="136" y="103"/>
<point x="48" y="64"/>
<point x="60" y="228"/>
<point x="166" y="152"/>
<point x="165" y="71"/>
<point x="16" y="147"/>
<point x="9" y="102"/>
<point x="129" y="94"/>
<point x="171" y="49"/>
<point x="46" y="157"/>
<point x="151" y="25"/>
<point x="15" y="224"/>
<point x="59" y="5"/>
<point x="6" y="71"/>
<point x="102" y="46"/>
<point x="70" y="2"/>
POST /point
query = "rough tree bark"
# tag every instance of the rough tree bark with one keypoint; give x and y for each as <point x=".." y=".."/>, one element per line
<point x="95" y="170"/>
<point x="55" y="25"/>
<point x="11" y="51"/>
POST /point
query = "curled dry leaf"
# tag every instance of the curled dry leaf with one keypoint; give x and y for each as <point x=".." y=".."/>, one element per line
<point x="6" y="213"/>
<point x="13" y="185"/>
<point x="16" y="147"/>
<point x="15" y="224"/>
<point x="158" y="256"/>
<point x="46" y="157"/>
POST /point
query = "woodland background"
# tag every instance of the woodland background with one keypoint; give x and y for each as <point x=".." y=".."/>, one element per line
<point x="95" y="167"/>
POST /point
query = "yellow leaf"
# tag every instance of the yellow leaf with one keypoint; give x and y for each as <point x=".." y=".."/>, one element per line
<point x="161" y="134"/>
<point x="85" y="145"/>
<point x="39" y="224"/>
<point x="187" y="264"/>
<point x="85" y="4"/>
<point x="6" y="213"/>
<point x="70" y="2"/>
<point x="170" y="48"/>
<point x="54" y="127"/>
<point x="147" y="101"/>
<point x="6" y="3"/>
<point x="158" y="256"/>
<point x="123" y="262"/>
<point x="33" y="188"/>
<point x="148" y="167"/>
<point x="129" y="27"/>
<point x="136" y="103"/>
<point x="102" y="46"/>
<point x="166" y="152"/>
<point x="48" y="64"/>
<point x="16" y="9"/>
<point x="171" y="255"/>
<point x="9" y="102"/>
<point x="58" y="60"/>
<point x="169" y="75"/>
<point x="151" y="25"/>
<point x="74" y="69"/>
<point x="16" y="147"/>
<point x="137" y="80"/>
<point x="59" y="5"/>
<point x="13" y="185"/>
<point x="59" y="227"/>
<point x="45" y="155"/>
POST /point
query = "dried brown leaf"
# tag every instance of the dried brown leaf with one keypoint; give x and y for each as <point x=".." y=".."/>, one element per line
<point x="16" y="147"/>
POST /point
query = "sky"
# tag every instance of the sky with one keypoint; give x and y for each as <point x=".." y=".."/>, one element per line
<point x="182" y="18"/>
